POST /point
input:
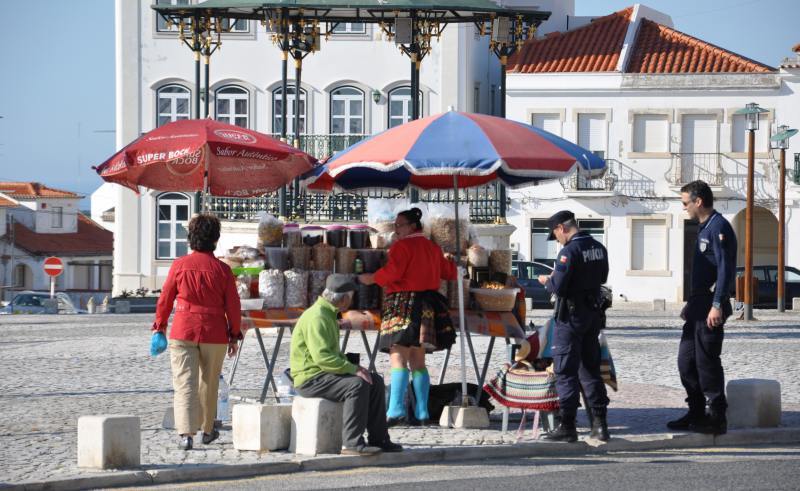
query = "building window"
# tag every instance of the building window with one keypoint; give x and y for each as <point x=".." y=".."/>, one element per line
<point x="476" y="99"/>
<point x="550" y="122"/>
<point x="57" y="216"/>
<point x="161" y="23"/>
<point x="648" y="244"/>
<point x="592" y="132"/>
<point x="105" y="277"/>
<point x="172" y="104"/>
<point x="595" y="228"/>
<point x="492" y="97"/>
<point x="542" y="250"/>
<point x="23" y="277"/>
<point x="400" y="106"/>
<point x="277" y="102"/>
<point x="232" y="105"/>
<point x="699" y="133"/>
<point x="172" y="220"/>
<point x="348" y="28"/>
<point x="82" y="276"/>
<point x="347" y="111"/>
<point x="236" y="25"/>
<point x="740" y="138"/>
<point x="650" y="133"/>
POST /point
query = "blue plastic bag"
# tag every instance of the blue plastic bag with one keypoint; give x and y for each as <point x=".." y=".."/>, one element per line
<point x="158" y="343"/>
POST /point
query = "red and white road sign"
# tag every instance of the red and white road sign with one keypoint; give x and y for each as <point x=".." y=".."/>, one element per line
<point x="53" y="266"/>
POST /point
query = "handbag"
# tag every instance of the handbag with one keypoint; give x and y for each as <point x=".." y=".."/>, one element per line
<point x="522" y="387"/>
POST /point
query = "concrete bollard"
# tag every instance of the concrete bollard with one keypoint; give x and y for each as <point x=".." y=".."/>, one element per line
<point x="122" y="307"/>
<point x="109" y="442"/>
<point x="316" y="426"/>
<point x="754" y="403"/>
<point x="262" y="427"/>
<point x="50" y="306"/>
<point x="464" y="417"/>
<point x="796" y="304"/>
<point x="659" y="305"/>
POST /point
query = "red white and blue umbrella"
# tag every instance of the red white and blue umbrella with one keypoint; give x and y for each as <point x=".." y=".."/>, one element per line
<point x="477" y="148"/>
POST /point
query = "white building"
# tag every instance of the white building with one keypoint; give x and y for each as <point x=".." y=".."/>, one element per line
<point x="357" y="84"/>
<point x="660" y="105"/>
<point x="36" y="222"/>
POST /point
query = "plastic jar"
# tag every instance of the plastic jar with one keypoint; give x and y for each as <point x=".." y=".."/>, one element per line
<point x="336" y="235"/>
<point x="312" y="235"/>
<point x="291" y="235"/>
<point x="359" y="236"/>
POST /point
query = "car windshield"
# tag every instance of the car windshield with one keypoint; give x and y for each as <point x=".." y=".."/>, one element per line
<point x="28" y="300"/>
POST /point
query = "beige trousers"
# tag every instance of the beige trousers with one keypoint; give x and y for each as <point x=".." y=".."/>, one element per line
<point x="195" y="378"/>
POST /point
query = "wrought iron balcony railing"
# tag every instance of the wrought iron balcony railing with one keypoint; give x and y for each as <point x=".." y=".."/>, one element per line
<point x="322" y="146"/>
<point x="795" y="174"/>
<point x="688" y="167"/>
<point x="581" y="181"/>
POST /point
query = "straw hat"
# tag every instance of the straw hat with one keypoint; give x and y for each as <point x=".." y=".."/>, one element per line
<point x="523" y="351"/>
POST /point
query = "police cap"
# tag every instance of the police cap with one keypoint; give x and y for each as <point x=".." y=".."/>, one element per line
<point x="560" y="217"/>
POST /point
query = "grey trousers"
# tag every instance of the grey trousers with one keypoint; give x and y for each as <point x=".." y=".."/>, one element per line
<point x="364" y="405"/>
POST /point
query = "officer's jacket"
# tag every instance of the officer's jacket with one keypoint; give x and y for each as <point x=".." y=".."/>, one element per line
<point x="581" y="267"/>
<point x="714" y="263"/>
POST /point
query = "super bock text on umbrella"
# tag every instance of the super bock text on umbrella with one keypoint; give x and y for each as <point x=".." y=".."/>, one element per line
<point x="53" y="267"/>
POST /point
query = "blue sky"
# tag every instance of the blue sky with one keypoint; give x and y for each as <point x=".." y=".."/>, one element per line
<point x="57" y="73"/>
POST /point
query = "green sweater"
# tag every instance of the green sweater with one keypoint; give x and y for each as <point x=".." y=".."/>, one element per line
<point x="315" y="344"/>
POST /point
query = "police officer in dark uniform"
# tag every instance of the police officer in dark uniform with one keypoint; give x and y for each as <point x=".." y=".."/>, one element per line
<point x="713" y="273"/>
<point x="581" y="267"/>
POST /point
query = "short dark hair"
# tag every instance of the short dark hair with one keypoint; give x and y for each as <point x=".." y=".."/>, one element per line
<point x="203" y="232"/>
<point x="699" y="189"/>
<point x="413" y="216"/>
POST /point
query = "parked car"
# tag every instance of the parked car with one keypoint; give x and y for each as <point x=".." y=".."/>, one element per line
<point x="768" y="285"/>
<point x="29" y="302"/>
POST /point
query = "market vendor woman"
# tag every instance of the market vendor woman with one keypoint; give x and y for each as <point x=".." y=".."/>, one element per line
<point x="415" y="317"/>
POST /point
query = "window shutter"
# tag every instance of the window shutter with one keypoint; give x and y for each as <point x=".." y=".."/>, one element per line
<point x="548" y="122"/>
<point x="699" y="134"/>
<point x="648" y="245"/>
<point x="651" y="133"/>
<point x="592" y="131"/>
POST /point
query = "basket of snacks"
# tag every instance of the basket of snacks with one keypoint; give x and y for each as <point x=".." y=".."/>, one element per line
<point x="495" y="297"/>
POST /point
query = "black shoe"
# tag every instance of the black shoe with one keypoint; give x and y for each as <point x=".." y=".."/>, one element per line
<point x="564" y="433"/>
<point x="186" y="443"/>
<point x="683" y="423"/>
<point x="210" y="438"/>
<point x="361" y="449"/>
<point x="398" y="421"/>
<point x="599" y="428"/>
<point x="710" y="425"/>
<point x="388" y="446"/>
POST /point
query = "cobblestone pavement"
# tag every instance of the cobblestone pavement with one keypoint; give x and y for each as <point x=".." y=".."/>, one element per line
<point x="56" y="368"/>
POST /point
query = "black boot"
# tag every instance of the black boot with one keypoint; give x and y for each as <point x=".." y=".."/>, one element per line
<point x="714" y="423"/>
<point x="694" y="415"/>
<point x="564" y="432"/>
<point x="599" y="424"/>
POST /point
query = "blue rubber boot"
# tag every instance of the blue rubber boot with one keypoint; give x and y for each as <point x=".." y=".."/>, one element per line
<point x="422" y="386"/>
<point x="396" y="412"/>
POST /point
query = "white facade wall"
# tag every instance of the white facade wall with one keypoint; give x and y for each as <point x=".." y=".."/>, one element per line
<point x="642" y="188"/>
<point x="52" y="212"/>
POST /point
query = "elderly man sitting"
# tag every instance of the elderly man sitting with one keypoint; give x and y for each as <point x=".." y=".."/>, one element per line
<point x="320" y="369"/>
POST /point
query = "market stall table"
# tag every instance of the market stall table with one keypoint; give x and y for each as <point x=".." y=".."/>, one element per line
<point x="494" y="324"/>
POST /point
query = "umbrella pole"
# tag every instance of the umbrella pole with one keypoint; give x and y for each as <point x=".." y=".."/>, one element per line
<point x="460" y="285"/>
<point x="204" y="196"/>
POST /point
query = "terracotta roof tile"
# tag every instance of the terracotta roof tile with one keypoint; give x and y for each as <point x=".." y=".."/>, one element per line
<point x="591" y="48"/>
<point x="661" y="49"/>
<point x="22" y="190"/>
<point x="90" y="239"/>
<point x="656" y="49"/>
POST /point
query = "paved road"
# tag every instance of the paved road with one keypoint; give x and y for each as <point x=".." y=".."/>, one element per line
<point x="699" y="469"/>
<point x="56" y="368"/>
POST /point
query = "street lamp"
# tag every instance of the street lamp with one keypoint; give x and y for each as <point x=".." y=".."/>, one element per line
<point x="751" y="113"/>
<point x="781" y="141"/>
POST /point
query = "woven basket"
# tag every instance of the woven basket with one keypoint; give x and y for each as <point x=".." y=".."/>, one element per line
<point x="495" y="300"/>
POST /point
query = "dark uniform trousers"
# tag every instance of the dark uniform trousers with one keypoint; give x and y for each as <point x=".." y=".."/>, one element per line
<point x="576" y="361"/>
<point x="364" y="405"/>
<point x="699" y="361"/>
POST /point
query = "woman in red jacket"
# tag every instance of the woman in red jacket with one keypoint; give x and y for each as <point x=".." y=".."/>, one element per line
<point x="415" y="317"/>
<point x="206" y="325"/>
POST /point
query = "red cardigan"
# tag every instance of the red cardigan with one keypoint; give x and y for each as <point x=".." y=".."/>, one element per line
<point x="208" y="308"/>
<point x="415" y="264"/>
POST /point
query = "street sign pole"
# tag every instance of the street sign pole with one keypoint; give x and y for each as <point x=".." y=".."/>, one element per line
<point x="52" y="286"/>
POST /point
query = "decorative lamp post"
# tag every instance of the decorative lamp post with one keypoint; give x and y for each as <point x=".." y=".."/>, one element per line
<point x="751" y="113"/>
<point x="781" y="141"/>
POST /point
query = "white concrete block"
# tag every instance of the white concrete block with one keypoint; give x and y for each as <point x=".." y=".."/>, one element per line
<point x="50" y="306"/>
<point x="316" y="426"/>
<point x="464" y="417"/>
<point x="796" y="304"/>
<point x="122" y="307"/>
<point x="754" y="403"/>
<point x="262" y="427"/>
<point x="109" y="442"/>
<point x="659" y="305"/>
